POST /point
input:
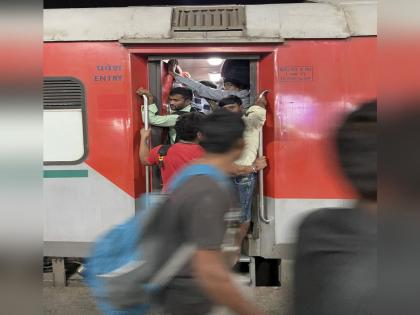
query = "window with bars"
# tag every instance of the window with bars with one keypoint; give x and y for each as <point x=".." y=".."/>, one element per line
<point x="208" y="19"/>
<point x="64" y="121"/>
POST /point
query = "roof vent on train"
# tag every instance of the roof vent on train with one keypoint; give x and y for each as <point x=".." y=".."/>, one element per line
<point x="209" y="19"/>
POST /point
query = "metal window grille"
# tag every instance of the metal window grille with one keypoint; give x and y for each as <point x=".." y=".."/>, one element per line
<point x="63" y="93"/>
<point x="207" y="19"/>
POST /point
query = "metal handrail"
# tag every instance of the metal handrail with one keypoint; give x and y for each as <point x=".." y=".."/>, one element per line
<point x="146" y="126"/>
<point x="262" y="213"/>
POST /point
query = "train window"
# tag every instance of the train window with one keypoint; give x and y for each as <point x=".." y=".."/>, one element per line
<point x="64" y="121"/>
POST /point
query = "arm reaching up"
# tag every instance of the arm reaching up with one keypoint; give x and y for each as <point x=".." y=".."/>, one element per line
<point x="262" y="99"/>
<point x="142" y="91"/>
<point x="208" y="92"/>
<point x="154" y="118"/>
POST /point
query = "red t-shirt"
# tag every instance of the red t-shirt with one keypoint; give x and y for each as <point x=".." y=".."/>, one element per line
<point x="178" y="156"/>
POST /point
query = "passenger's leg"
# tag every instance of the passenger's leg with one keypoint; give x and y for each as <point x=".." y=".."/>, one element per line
<point x="245" y="186"/>
<point x="243" y="231"/>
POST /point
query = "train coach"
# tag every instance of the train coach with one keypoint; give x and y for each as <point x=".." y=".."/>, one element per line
<point x="317" y="59"/>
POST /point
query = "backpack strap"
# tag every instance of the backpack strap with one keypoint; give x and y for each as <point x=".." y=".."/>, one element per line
<point x="163" y="151"/>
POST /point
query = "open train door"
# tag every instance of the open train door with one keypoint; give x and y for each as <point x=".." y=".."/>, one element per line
<point x="202" y="67"/>
<point x="261" y="247"/>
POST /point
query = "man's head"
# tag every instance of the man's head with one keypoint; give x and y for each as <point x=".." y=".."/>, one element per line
<point x="221" y="133"/>
<point x="231" y="103"/>
<point x="180" y="98"/>
<point x="235" y="73"/>
<point x="187" y="126"/>
<point x="356" y="142"/>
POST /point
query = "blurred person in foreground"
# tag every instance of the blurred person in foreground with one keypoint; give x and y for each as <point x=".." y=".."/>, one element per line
<point x="336" y="266"/>
<point x="204" y="205"/>
<point x="399" y="220"/>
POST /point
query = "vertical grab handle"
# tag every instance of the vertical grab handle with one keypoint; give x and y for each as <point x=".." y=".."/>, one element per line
<point x="146" y="126"/>
<point x="262" y="213"/>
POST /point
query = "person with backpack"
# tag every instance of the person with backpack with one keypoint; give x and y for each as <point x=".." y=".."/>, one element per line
<point x="180" y="99"/>
<point x="173" y="254"/>
<point x="172" y="158"/>
<point x="206" y="209"/>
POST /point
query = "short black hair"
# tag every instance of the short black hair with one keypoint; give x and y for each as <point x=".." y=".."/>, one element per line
<point x="209" y="84"/>
<point x="237" y="72"/>
<point x="221" y="131"/>
<point x="187" y="126"/>
<point x="186" y="93"/>
<point x="356" y="142"/>
<point x="232" y="99"/>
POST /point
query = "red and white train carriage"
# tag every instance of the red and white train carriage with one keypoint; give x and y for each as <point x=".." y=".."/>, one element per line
<point x="317" y="59"/>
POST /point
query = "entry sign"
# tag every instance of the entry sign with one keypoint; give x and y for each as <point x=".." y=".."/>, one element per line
<point x="296" y="73"/>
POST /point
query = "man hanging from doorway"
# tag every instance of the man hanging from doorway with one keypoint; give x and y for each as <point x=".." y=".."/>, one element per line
<point x="248" y="165"/>
<point x="180" y="99"/>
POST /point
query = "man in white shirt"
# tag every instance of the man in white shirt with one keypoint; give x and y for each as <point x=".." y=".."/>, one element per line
<point x="248" y="165"/>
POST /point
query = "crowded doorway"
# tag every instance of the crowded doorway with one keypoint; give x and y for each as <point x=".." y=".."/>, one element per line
<point x="205" y="69"/>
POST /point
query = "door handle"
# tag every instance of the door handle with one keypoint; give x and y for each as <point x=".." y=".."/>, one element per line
<point x="262" y="213"/>
<point x="146" y="126"/>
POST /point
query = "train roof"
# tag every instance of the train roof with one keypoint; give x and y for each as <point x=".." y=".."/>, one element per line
<point x="263" y="23"/>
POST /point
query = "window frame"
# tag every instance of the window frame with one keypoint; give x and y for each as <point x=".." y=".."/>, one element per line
<point x="84" y="119"/>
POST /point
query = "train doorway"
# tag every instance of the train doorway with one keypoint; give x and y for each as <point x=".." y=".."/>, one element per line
<point x="204" y="64"/>
<point x="202" y="68"/>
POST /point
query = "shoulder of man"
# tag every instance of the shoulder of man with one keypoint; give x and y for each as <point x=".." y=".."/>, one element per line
<point x="256" y="110"/>
<point x="186" y="109"/>
<point x="335" y="229"/>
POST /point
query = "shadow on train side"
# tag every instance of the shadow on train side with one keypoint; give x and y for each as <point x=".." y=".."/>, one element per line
<point x="55" y="4"/>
